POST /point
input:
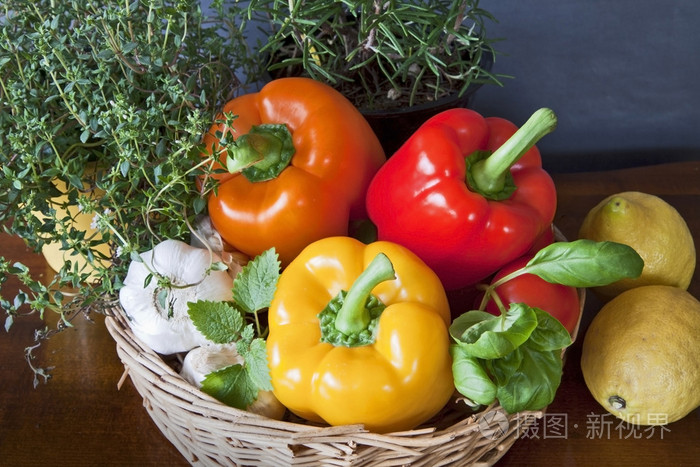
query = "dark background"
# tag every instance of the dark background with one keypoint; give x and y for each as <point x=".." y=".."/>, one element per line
<point x="623" y="77"/>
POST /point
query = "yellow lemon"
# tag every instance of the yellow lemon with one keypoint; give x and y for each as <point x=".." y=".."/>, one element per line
<point x="654" y="229"/>
<point x="641" y="355"/>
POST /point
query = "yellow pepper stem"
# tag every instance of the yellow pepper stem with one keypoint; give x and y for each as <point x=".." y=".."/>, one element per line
<point x="353" y="316"/>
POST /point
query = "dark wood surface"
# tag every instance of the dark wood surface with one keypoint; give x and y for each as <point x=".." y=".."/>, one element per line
<point x="80" y="418"/>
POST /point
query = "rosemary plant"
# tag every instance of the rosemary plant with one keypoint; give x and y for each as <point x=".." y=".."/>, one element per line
<point x="125" y="87"/>
<point x="379" y="54"/>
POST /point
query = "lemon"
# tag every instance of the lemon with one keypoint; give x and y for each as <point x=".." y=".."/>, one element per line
<point x="654" y="229"/>
<point x="641" y="355"/>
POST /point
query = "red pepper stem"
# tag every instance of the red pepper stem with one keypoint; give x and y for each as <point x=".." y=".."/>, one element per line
<point x="353" y="316"/>
<point x="490" y="174"/>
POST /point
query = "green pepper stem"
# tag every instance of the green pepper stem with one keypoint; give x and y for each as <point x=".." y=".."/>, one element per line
<point x="261" y="154"/>
<point x="489" y="174"/>
<point x="247" y="151"/>
<point x="353" y="316"/>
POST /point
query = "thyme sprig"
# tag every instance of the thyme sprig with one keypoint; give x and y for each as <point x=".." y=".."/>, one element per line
<point x="107" y="100"/>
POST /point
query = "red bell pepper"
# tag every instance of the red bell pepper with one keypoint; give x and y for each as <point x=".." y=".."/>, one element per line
<point x="467" y="194"/>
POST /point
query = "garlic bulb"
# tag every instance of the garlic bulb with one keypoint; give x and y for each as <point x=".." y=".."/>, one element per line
<point x="201" y="361"/>
<point x="168" y="329"/>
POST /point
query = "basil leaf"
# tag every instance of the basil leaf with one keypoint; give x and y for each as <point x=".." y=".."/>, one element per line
<point x="534" y="384"/>
<point x="461" y="324"/>
<point x="496" y="338"/>
<point x="550" y="334"/>
<point x="504" y="368"/>
<point x="585" y="263"/>
<point x="470" y="378"/>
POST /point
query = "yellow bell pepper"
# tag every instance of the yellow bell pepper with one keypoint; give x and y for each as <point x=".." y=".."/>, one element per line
<point x="359" y="334"/>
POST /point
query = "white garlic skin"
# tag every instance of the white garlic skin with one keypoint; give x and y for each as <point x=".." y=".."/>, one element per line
<point x="170" y="330"/>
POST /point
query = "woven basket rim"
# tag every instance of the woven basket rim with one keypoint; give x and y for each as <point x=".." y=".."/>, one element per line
<point x="159" y="384"/>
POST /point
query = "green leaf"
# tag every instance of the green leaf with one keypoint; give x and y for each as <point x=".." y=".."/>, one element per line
<point x="585" y="263"/>
<point x="470" y="378"/>
<point x="217" y="321"/>
<point x="256" y="364"/>
<point x="462" y="323"/>
<point x="549" y="334"/>
<point x="8" y="322"/>
<point x="502" y="369"/>
<point x="232" y="386"/>
<point x="535" y="383"/>
<point x="496" y="338"/>
<point x="255" y="285"/>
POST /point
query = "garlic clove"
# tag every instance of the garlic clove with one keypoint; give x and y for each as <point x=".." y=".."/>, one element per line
<point x="199" y="362"/>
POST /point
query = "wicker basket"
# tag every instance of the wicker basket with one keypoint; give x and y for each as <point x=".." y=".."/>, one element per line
<point x="207" y="432"/>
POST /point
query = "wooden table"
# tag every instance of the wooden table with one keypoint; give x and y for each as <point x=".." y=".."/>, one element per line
<point x="80" y="418"/>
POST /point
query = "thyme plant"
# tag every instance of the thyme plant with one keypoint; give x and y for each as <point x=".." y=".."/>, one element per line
<point x="380" y="54"/>
<point x="126" y="87"/>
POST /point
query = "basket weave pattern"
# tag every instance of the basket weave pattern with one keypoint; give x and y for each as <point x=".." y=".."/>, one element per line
<point x="207" y="432"/>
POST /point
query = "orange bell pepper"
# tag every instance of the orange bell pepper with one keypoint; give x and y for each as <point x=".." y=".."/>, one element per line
<point x="359" y="334"/>
<point x="302" y="158"/>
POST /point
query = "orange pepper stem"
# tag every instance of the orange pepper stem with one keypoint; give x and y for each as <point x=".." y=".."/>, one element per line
<point x="489" y="175"/>
<point x="261" y="154"/>
<point x="353" y="316"/>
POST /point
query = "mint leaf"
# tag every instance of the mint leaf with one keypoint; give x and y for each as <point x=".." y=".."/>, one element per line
<point x="256" y="364"/>
<point x="232" y="386"/>
<point x="255" y="285"/>
<point x="219" y="322"/>
<point x="222" y="323"/>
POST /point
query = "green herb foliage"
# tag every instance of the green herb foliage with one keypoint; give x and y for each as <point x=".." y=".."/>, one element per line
<point x="224" y="323"/>
<point x="378" y="54"/>
<point x="516" y="358"/>
<point x="128" y="87"/>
